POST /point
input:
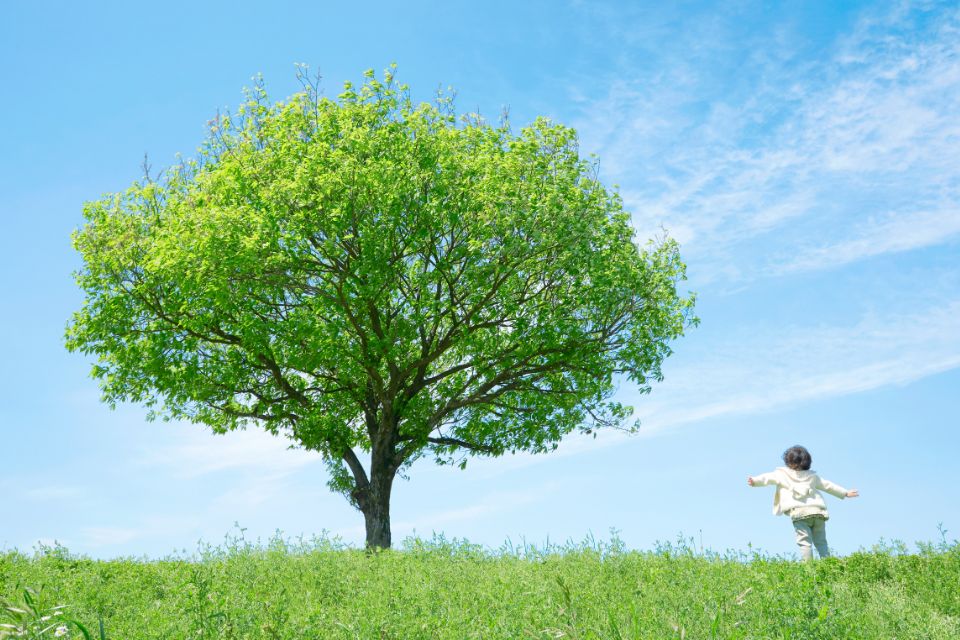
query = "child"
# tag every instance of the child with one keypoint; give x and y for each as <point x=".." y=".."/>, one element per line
<point x="798" y="497"/>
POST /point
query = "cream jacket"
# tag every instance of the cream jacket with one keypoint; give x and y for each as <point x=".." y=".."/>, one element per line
<point x="798" y="489"/>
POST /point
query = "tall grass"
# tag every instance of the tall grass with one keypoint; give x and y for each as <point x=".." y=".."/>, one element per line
<point x="451" y="589"/>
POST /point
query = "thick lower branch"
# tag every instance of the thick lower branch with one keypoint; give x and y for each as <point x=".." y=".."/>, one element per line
<point x="361" y="483"/>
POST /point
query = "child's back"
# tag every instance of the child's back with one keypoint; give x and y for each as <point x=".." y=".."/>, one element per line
<point x="798" y="496"/>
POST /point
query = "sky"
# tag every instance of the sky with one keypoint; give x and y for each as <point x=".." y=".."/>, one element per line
<point x="805" y="155"/>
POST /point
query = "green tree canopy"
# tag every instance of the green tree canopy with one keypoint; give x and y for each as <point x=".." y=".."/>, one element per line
<point x="370" y="275"/>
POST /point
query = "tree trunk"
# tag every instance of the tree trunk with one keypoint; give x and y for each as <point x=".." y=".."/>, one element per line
<point x="376" y="504"/>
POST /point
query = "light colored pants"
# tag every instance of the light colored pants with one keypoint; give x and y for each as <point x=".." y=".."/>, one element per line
<point x="812" y="529"/>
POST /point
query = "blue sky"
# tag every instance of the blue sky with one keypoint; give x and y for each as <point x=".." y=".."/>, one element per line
<point x="807" y="157"/>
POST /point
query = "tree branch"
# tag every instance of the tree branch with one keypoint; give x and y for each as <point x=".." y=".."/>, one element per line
<point x="457" y="442"/>
<point x="359" y="474"/>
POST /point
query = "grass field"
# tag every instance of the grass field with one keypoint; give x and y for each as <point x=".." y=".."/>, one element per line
<point x="444" y="589"/>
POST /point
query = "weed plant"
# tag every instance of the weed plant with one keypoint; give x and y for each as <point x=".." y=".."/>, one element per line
<point x="440" y="588"/>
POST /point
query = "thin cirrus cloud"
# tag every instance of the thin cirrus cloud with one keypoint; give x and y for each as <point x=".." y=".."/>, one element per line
<point x="195" y="452"/>
<point x="862" y="145"/>
<point x="493" y="503"/>
<point x="757" y="373"/>
<point x="889" y="234"/>
<point x="108" y="536"/>
<point x="138" y="528"/>
<point x="267" y="465"/>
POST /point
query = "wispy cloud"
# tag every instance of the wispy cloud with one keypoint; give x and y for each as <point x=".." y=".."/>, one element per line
<point x="493" y="503"/>
<point x="861" y="144"/>
<point x="265" y="468"/>
<point x="263" y="488"/>
<point x="196" y="452"/>
<point x="144" y="527"/>
<point x="108" y="536"/>
<point x="888" y="234"/>
<point x="751" y="373"/>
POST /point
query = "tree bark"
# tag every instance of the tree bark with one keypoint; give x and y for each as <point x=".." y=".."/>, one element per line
<point x="374" y="500"/>
<point x="376" y="510"/>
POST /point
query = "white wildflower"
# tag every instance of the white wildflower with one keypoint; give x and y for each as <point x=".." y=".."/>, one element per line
<point x="61" y="631"/>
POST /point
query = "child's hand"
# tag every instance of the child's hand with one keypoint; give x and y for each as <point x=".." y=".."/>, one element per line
<point x="749" y="481"/>
<point x="853" y="493"/>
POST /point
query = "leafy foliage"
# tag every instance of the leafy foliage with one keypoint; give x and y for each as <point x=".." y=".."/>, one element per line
<point x="28" y="616"/>
<point x="370" y="274"/>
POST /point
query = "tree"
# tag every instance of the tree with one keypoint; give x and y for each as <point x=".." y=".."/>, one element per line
<point x="367" y="275"/>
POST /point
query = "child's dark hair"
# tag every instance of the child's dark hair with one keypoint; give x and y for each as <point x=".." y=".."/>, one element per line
<point x="797" y="457"/>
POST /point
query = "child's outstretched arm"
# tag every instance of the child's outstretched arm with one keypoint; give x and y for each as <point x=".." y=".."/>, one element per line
<point x="763" y="479"/>
<point x="835" y="489"/>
